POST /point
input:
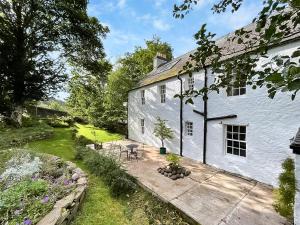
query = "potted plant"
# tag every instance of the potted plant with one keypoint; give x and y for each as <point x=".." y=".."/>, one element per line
<point x="163" y="133"/>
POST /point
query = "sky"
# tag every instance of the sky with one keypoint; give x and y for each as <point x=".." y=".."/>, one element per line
<point x="131" y="22"/>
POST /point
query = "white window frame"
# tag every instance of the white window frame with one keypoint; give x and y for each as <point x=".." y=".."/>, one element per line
<point x="162" y="92"/>
<point x="236" y="91"/>
<point x="143" y="100"/>
<point x="142" y="126"/>
<point x="189" y="128"/>
<point x="191" y="83"/>
<point x="236" y="140"/>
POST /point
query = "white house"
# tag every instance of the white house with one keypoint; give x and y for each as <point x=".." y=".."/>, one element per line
<point x="251" y="137"/>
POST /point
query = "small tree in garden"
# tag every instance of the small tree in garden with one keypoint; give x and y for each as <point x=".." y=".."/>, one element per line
<point x="162" y="131"/>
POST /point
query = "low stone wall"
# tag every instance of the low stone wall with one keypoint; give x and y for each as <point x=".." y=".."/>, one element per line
<point x="66" y="209"/>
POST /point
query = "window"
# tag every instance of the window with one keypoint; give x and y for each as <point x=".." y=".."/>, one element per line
<point x="236" y="140"/>
<point x="234" y="90"/>
<point x="143" y="126"/>
<point x="143" y="97"/>
<point x="162" y="89"/>
<point x="189" y="128"/>
<point x="191" y="83"/>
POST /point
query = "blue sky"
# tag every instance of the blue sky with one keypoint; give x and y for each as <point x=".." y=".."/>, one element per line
<point x="131" y="22"/>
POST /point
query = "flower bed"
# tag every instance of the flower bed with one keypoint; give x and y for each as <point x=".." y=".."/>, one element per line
<point x="34" y="184"/>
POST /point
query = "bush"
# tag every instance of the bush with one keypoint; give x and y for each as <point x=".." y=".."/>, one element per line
<point x="81" y="152"/>
<point x="82" y="141"/>
<point x="285" y="195"/>
<point x="113" y="174"/>
<point x="173" y="159"/>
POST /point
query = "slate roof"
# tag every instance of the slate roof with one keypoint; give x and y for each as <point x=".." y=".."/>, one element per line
<point x="230" y="49"/>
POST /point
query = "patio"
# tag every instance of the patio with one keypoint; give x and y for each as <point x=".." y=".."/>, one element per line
<point x="209" y="196"/>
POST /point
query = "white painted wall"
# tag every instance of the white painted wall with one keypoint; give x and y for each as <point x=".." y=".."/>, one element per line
<point x="297" y="198"/>
<point x="270" y="124"/>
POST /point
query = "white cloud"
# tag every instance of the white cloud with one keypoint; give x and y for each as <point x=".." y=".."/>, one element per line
<point x="121" y="4"/>
<point x="159" y="3"/>
<point x="161" y="25"/>
<point x="236" y="20"/>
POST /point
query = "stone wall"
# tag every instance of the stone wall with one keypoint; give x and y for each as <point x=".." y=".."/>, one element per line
<point x="297" y="199"/>
<point x="66" y="209"/>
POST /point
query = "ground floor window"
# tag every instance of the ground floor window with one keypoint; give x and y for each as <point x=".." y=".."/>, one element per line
<point x="189" y="128"/>
<point x="236" y="140"/>
<point x="142" y="126"/>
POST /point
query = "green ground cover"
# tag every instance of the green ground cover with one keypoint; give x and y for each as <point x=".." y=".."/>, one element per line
<point x="99" y="207"/>
<point x="97" y="134"/>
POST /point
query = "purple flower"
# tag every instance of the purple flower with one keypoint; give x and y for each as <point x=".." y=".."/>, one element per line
<point x="45" y="199"/>
<point x="66" y="182"/>
<point x="27" y="222"/>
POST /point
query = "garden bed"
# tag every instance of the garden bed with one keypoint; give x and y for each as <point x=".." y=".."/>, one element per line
<point x="38" y="188"/>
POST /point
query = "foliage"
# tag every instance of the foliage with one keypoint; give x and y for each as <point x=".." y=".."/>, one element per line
<point x="173" y="159"/>
<point x="81" y="140"/>
<point x="13" y="137"/>
<point x="162" y="131"/>
<point x="86" y="93"/>
<point x="53" y="104"/>
<point x="37" y="38"/>
<point x="30" y="185"/>
<point x="99" y="204"/>
<point x="285" y="195"/>
<point x="131" y="69"/>
<point x="277" y="19"/>
<point x="59" y="121"/>
<point x="110" y="170"/>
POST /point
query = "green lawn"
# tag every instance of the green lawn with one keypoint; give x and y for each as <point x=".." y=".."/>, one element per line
<point x="99" y="207"/>
<point x="100" y="134"/>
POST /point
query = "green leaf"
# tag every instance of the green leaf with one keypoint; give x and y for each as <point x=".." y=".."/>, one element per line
<point x="275" y="78"/>
<point x="189" y="101"/>
<point x="296" y="54"/>
<point x="294" y="85"/>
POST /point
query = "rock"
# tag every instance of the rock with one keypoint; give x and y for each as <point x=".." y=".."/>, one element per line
<point x="173" y="177"/>
<point x="169" y="174"/>
<point x="165" y="174"/>
<point x="177" y="175"/>
<point x="82" y="181"/>
<point x="75" y="176"/>
<point x="173" y="172"/>
<point x="159" y="169"/>
<point x="181" y="175"/>
<point x="187" y="172"/>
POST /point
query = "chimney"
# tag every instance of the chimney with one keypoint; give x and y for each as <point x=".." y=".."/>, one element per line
<point x="158" y="60"/>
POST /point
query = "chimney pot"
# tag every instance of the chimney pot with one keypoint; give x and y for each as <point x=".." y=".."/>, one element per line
<point x="159" y="59"/>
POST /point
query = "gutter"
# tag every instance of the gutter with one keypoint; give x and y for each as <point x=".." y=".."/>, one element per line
<point x="181" y="114"/>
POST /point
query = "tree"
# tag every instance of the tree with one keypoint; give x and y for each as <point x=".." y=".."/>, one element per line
<point x="277" y="19"/>
<point x="131" y="69"/>
<point x="162" y="131"/>
<point x="87" y="93"/>
<point x="37" y="39"/>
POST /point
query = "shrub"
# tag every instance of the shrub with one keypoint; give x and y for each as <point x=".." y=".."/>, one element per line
<point x="81" y="152"/>
<point x="173" y="159"/>
<point x="82" y="141"/>
<point x="285" y="195"/>
<point x="113" y="174"/>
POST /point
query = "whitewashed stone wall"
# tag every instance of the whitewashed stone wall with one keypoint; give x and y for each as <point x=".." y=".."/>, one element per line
<point x="297" y="199"/>
<point x="270" y="124"/>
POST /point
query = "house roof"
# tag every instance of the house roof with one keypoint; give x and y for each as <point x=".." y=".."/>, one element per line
<point x="229" y="49"/>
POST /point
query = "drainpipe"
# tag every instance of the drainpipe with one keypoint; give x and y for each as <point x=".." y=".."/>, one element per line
<point x="205" y="97"/>
<point x="181" y="114"/>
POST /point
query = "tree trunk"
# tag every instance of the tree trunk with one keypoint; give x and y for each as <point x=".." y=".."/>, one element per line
<point x="162" y="143"/>
<point x="17" y="115"/>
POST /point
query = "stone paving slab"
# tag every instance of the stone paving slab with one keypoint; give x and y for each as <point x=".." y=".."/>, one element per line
<point x="209" y="196"/>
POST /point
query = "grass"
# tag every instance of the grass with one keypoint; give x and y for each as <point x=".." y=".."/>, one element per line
<point x="101" y="135"/>
<point x="12" y="137"/>
<point x="99" y="207"/>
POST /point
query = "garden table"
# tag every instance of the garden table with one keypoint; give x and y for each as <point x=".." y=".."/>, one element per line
<point x="131" y="147"/>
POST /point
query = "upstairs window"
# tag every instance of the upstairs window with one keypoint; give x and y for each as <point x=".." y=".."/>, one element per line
<point x="162" y="90"/>
<point x="143" y="126"/>
<point x="189" y="128"/>
<point x="234" y="90"/>
<point x="143" y="97"/>
<point x="236" y="140"/>
<point x="191" y="83"/>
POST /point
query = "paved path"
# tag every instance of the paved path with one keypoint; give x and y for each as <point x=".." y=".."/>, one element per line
<point x="208" y="196"/>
